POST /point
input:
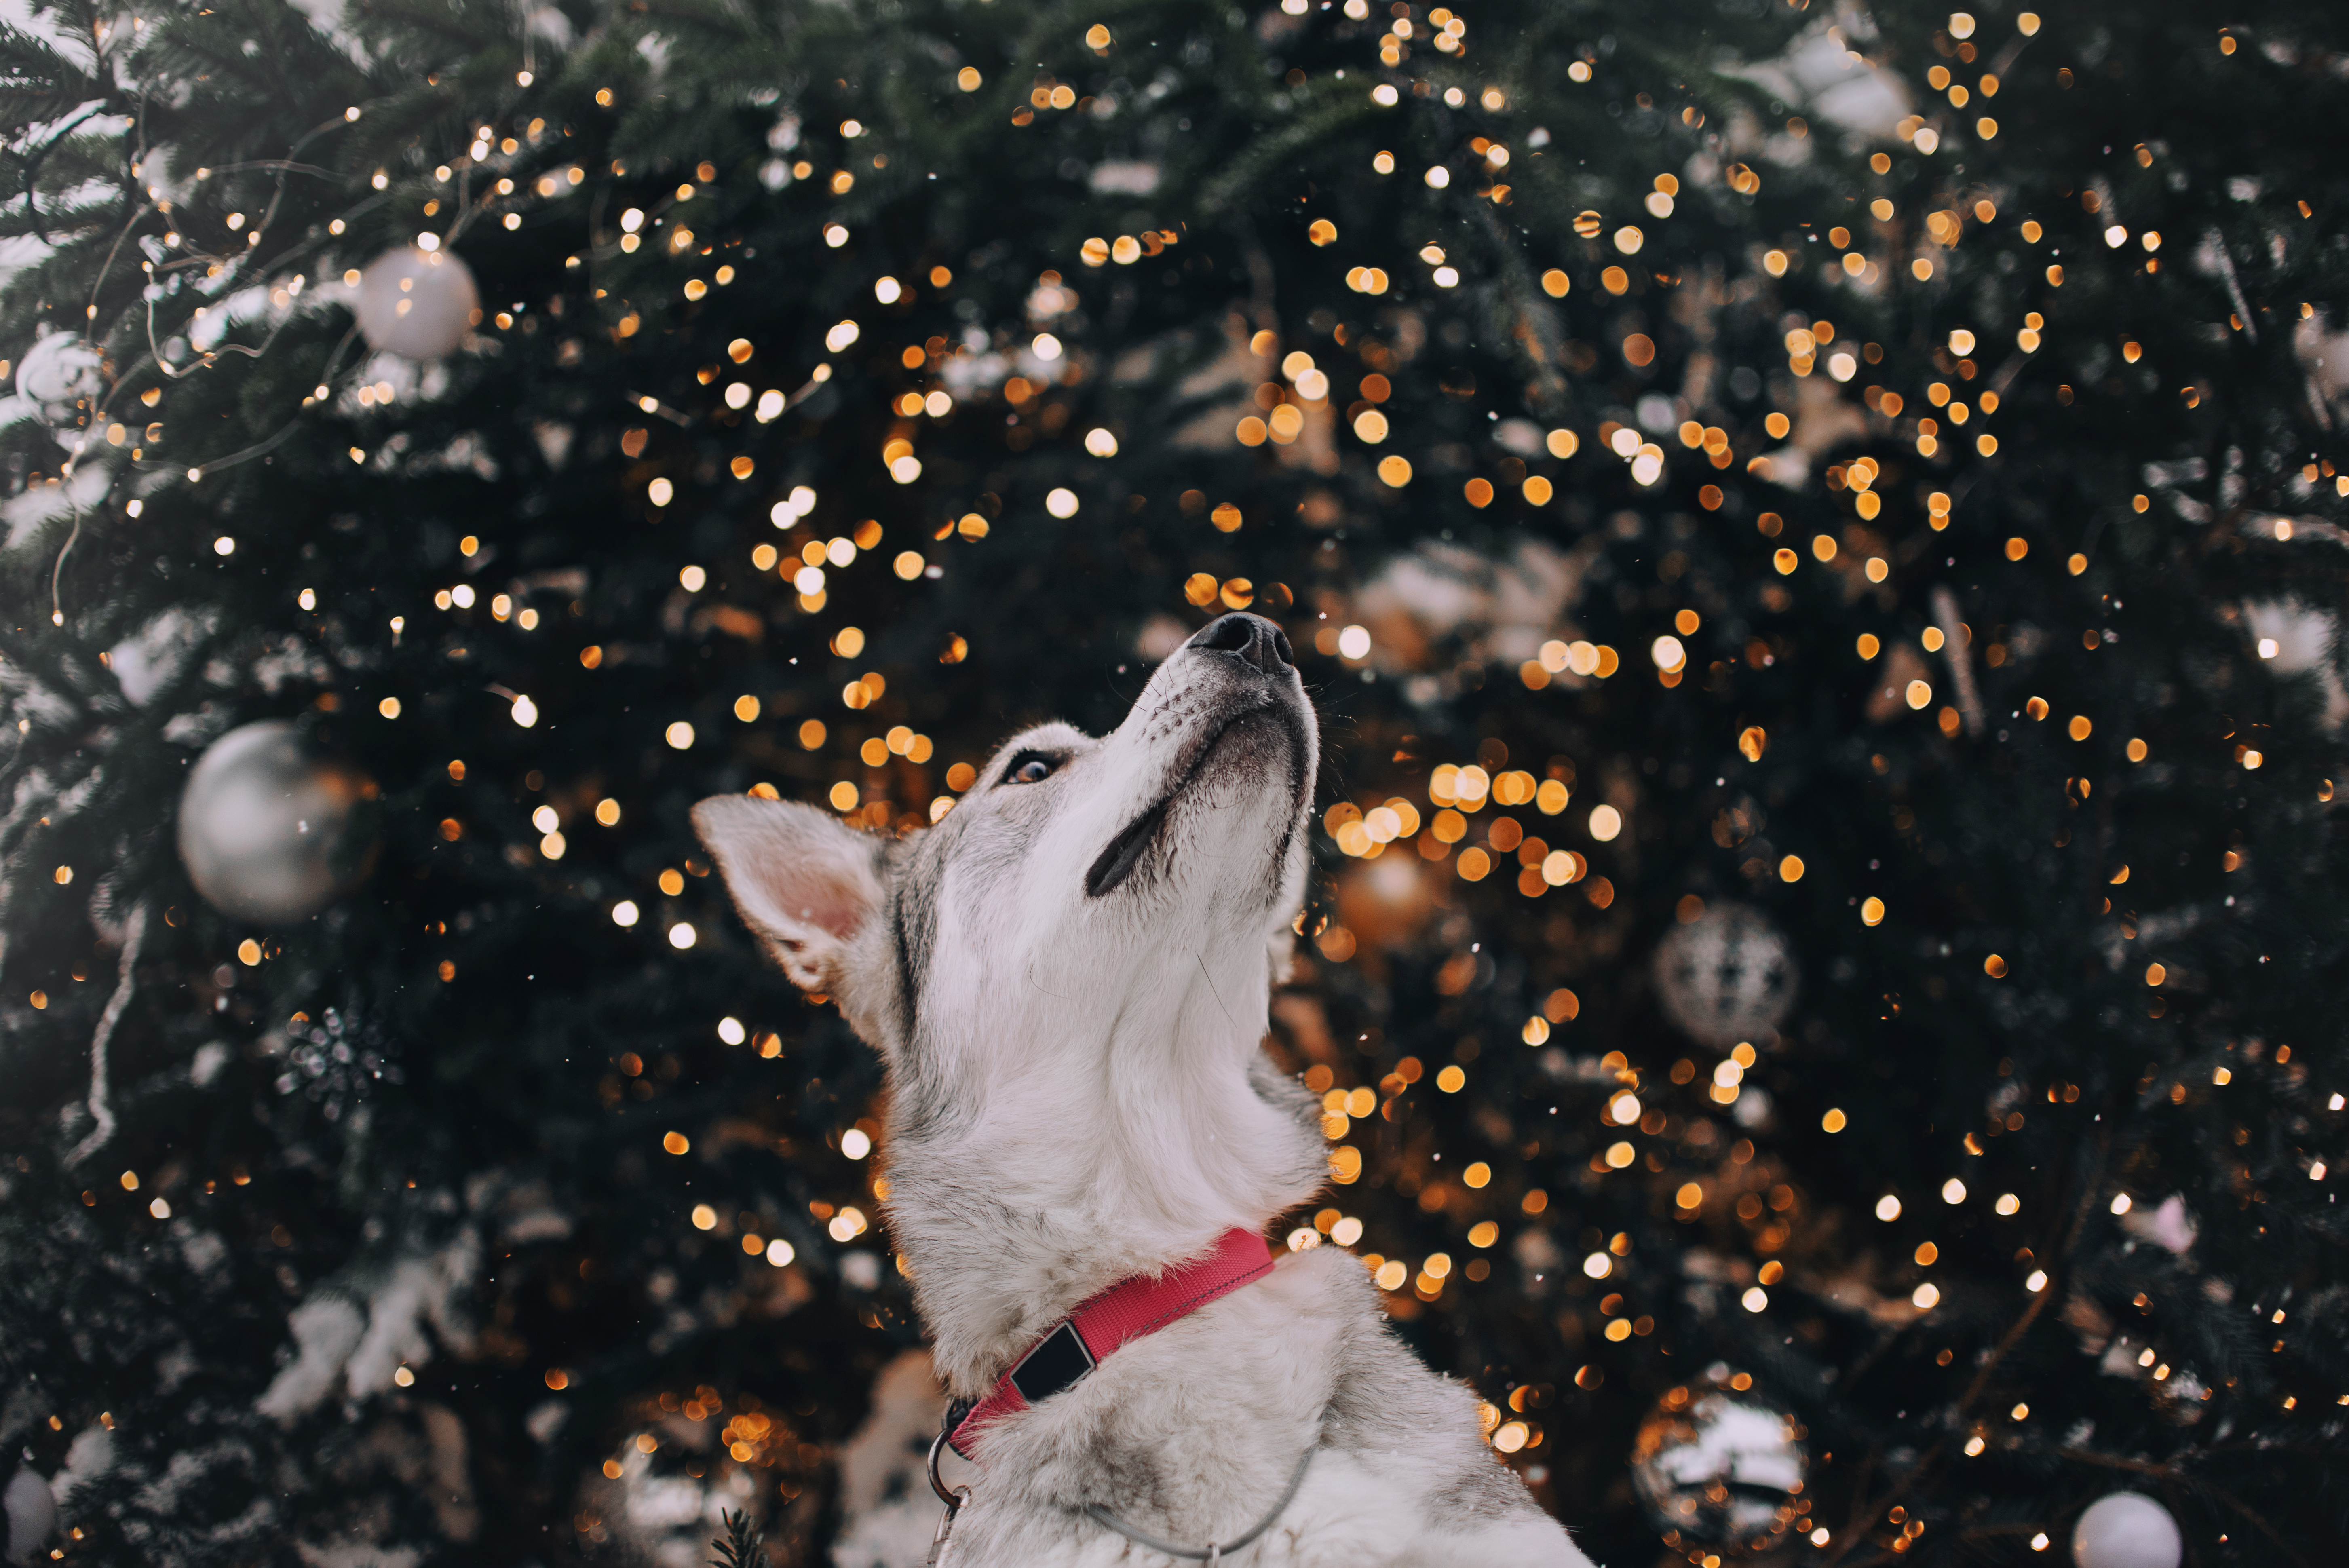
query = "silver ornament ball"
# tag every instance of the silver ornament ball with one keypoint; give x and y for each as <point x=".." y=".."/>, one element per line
<point x="272" y="832"/>
<point x="1727" y="976"/>
<point x="2127" y="1530"/>
<point x="417" y="303"/>
<point x="1714" y="1469"/>
<point x="60" y="374"/>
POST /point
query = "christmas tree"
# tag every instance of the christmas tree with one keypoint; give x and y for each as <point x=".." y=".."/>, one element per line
<point x="1814" y="538"/>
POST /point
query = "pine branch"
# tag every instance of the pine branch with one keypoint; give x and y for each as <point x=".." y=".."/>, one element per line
<point x="741" y="1545"/>
<point x="37" y="81"/>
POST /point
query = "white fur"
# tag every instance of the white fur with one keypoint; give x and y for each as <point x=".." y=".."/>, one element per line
<point x="1079" y="1094"/>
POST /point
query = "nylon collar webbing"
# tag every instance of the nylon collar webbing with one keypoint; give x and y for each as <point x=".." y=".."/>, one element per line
<point x="1106" y="1324"/>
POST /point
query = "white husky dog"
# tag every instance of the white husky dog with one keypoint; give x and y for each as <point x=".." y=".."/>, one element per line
<point x="1068" y="977"/>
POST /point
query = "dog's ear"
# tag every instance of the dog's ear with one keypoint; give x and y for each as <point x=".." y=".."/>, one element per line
<point x="803" y="878"/>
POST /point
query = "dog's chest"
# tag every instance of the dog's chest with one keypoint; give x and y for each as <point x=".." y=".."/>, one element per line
<point x="1194" y="1428"/>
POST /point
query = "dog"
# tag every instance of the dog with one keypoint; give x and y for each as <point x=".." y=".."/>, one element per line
<point x="1068" y="976"/>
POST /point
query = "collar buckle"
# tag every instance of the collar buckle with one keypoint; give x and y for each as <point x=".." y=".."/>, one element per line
<point x="1059" y="1360"/>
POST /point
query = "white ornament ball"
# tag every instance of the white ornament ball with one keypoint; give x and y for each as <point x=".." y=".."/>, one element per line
<point x="271" y="832"/>
<point x="2127" y="1530"/>
<point x="59" y="374"/>
<point x="1727" y="976"/>
<point x="31" y="1513"/>
<point x="417" y="303"/>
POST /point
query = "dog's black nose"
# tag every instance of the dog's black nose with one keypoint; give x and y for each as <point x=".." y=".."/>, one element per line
<point x="1252" y="637"/>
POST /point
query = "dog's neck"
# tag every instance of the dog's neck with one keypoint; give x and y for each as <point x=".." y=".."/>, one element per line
<point x="1029" y="1174"/>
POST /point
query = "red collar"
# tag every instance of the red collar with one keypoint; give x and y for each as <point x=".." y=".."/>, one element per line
<point x="1108" y="1322"/>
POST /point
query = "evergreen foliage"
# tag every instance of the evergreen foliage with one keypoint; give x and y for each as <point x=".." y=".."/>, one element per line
<point x="372" y="1238"/>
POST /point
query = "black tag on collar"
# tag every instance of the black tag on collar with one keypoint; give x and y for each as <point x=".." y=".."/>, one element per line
<point x="1058" y="1360"/>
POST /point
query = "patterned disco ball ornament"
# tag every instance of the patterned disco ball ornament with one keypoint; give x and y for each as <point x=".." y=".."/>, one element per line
<point x="1717" y="1470"/>
<point x="417" y="303"/>
<point x="60" y="375"/>
<point x="271" y="832"/>
<point x="2127" y="1530"/>
<point x="1725" y="977"/>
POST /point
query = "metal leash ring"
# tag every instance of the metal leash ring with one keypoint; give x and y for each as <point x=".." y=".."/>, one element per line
<point x="954" y="1498"/>
<point x="951" y="1496"/>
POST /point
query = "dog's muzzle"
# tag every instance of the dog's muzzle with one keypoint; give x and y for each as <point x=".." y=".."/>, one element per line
<point x="1251" y="638"/>
<point x="1265" y="669"/>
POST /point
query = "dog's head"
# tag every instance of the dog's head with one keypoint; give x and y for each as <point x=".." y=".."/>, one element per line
<point x="1083" y="888"/>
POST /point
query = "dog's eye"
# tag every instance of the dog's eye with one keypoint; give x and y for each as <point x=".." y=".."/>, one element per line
<point x="1030" y="770"/>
